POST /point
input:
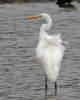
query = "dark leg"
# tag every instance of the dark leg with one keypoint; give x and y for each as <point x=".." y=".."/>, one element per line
<point x="46" y="84"/>
<point x="55" y="88"/>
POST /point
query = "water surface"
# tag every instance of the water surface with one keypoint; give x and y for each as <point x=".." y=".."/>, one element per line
<point x="21" y="76"/>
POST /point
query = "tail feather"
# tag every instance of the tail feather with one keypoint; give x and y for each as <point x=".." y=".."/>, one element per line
<point x="52" y="73"/>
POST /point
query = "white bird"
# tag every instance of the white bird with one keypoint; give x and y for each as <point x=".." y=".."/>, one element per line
<point x="49" y="51"/>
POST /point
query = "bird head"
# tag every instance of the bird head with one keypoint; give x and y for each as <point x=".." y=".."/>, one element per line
<point x="45" y="16"/>
<point x="42" y="15"/>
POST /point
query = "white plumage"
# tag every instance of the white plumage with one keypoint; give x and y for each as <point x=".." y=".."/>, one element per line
<point x="49" y="50"/>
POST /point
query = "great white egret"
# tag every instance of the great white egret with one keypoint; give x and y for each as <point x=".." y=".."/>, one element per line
<point x="49" y="51"/>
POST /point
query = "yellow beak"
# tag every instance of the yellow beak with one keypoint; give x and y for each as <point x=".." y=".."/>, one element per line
<point x="33" y="17"/>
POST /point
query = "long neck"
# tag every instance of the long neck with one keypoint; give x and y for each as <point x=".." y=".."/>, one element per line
<point x="46" y="26"/>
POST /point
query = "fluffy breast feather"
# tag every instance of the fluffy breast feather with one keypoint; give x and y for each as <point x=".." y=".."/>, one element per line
<point x="50" y="56"/>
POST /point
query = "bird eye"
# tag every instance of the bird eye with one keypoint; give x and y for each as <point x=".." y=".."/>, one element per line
<point x="40" y="16"/>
